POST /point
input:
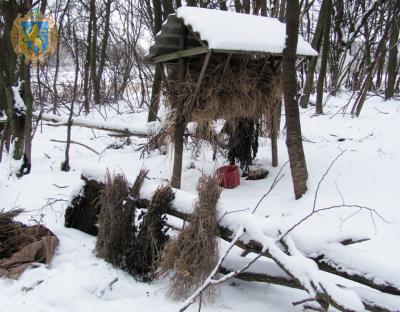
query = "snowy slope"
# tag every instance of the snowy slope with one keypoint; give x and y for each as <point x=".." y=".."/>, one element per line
<point x="367" y="174"/>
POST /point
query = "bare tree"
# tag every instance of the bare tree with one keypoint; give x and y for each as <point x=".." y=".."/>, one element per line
<point x="293" y="134"/>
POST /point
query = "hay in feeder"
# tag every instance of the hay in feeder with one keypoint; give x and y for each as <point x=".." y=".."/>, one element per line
<point x="245" y="91"/>
<point x="194" y="254"/>
<point x="239" y="87"/>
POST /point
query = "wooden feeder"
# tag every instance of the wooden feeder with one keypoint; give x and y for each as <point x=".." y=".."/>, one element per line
<point x="221" y="65"/>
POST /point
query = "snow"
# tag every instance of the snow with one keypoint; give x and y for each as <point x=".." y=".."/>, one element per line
<point x="224" y="30"/>
<point x="347" y="259"/>
<point x="19" y="105"/>
<point x="367" y="174"/>
<point x="148" y="129"/>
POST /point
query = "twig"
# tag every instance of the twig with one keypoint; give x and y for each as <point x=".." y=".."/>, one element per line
<point x="61" y="186"/>
<point x="371" y="211"/>
<point x="278" y="177"/>
<point x="370" y="134"/>
<point x="233" y="211"/>
<point x="381" y="112"/>
<point x="324" y="176"/>
<point x="78" y="143"/>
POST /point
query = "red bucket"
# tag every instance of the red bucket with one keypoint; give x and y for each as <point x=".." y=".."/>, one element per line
<point x="229" y="176"/>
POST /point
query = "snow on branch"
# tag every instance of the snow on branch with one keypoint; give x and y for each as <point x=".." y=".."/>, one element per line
<point x="139" y="130"/>
<point x="19" y="105"/>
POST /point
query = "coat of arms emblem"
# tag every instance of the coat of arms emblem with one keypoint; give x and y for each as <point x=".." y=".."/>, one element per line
<point x="34" y="36"/>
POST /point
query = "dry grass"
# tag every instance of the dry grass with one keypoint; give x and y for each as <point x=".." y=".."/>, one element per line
<point x="194" y="254"/>
<point x="144" y="260"/>
<point x="84" y="208"/>
<point x="247" y="87"/>
<point x="116" y="220"/>
<point x="12" y="234"/>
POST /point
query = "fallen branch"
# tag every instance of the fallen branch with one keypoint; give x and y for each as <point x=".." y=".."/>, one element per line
<point x="372" y="300"/>
<point x="262" y="237"/>
<point x="78" y="143"/>
<point x="139" y="131"/>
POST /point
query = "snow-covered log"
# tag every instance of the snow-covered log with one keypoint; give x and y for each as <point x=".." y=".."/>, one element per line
<point x="300" y="260"/>
<point x="269" y="272"/>
<point x="140" y="130"/>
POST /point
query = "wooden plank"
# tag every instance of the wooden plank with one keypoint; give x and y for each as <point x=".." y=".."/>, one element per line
<point x="256" y="53"/>
<point x="179" y="54"/>
<point x="180" y="124"/>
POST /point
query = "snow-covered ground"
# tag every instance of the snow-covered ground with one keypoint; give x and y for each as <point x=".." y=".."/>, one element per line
<point x="367" y="174"/>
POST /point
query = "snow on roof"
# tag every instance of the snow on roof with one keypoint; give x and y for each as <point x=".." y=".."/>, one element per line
<point x="224" y="30"/>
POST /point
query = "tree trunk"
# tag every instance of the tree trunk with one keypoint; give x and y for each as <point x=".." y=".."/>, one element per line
<point x="28" y="101"/>
<point x="168" y="8"/>
<point x="246" y="6"/>
<point x="392" y="62"/>
<point x="157" y="81"/>
<point x="338" y="42"/>
<point x="238" y="6"/>
<point x="282" y="10"/>
<point x="8" y="61"/>
<point x="65" y="164"/>
<point x="222" y="5"/>
<point x="324" y="59"/>
<point x="103" y="54"/>
<point x="155" y="95"/>
<point x="86" y="79"/>
<point x="93" y="50"/>
<point x="293" y="137"/>
<point x="316" y="44"/>
<point x="60" y="27"/>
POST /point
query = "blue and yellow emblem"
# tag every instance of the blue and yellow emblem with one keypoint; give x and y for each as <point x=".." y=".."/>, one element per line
<point x="34" y="36"/>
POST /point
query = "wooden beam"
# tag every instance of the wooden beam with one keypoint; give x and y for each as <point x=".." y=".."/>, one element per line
<point x="257" y="53"/>
<point x="179" y="54"/>
<point x="275" y="123"/>
<point x="189" y="108"/>
<point x="226" y="65"/>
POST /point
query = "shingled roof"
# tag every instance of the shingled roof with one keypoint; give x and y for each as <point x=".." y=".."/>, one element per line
<point x="221" y="31"/>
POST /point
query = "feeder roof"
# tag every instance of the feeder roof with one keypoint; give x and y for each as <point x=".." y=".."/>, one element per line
<point x="221" y="31"/>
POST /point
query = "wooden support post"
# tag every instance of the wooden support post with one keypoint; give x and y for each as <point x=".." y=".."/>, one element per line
<point x="180" y="118"/>
<point x="275" y="123"/>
